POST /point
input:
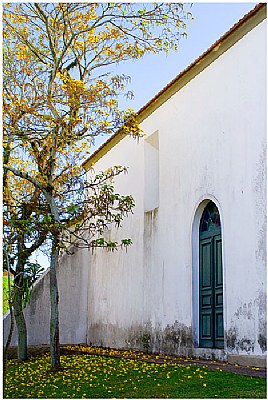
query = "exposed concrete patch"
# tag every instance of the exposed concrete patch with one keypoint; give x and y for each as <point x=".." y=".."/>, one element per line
<point x="210" y="354"/>
<point x="255" y="361"/>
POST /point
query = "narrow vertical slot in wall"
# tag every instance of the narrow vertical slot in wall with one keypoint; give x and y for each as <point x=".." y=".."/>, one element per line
<point x="151" y="172"/>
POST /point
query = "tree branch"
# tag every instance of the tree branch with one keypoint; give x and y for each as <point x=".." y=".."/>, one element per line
<point x="26" y="176"/>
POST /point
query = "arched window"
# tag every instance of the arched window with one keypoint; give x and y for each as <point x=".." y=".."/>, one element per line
<point x="210" y="219"/>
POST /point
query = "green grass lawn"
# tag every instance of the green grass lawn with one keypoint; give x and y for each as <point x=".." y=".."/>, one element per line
<point x="94" y="376"/>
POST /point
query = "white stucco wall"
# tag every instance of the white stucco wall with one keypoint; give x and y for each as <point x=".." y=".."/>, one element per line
<point x="212" y="141"/>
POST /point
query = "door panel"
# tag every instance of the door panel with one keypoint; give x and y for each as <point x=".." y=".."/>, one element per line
<point x="219" y="335"/>
<point x="218" y="290"/>
<point x="218" y="261"/>
<point x="206" y="254"/>
<point x="206" y="293"/>
<point x="206" y="326"/>
<point x="211" y="292"/>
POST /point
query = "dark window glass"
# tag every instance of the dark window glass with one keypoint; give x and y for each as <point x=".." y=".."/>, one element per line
<point x="210" y="218"/>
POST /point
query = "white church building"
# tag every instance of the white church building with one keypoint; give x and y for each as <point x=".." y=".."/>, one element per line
<point x="193" y="282"/>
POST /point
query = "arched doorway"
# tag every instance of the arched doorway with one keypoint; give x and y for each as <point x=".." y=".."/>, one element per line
<point x="211" y="332"/>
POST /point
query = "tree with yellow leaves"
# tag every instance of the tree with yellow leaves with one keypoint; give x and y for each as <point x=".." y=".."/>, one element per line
<point x="58" y="96"/>
<point x="24" y="231"/>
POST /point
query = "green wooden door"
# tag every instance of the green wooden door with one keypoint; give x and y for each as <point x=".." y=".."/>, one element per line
<point x="210" y="280"/>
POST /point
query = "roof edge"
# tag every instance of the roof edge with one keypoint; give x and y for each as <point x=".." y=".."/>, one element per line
<point x="224" y="43"/>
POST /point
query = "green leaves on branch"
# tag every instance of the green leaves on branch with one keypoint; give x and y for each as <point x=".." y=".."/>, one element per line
<point x="32" y="272"/>
<point x="103" y="208"/>
<point x="110" y="246"/>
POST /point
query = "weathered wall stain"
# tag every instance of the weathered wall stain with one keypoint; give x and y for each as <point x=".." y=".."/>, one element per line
<point x="150" y="222"/>
<point x="262" y="321"/>
<point x="262" y="342"/>
<point x="260" y="210"/>
<point x="173" y="339"/>
<point x="248" y="327"/>
<point x="231" y="338"/>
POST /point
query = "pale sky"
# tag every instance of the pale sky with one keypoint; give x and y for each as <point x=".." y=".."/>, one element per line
<point x="150" y="74"/>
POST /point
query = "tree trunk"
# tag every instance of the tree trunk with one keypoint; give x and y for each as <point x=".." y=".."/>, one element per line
<point x="5" y="355"/>
<point x="54" y="292"/>
<point x="18" y="302"/>
<point x="20" y="323"/>
<point x="54" y="308"/>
